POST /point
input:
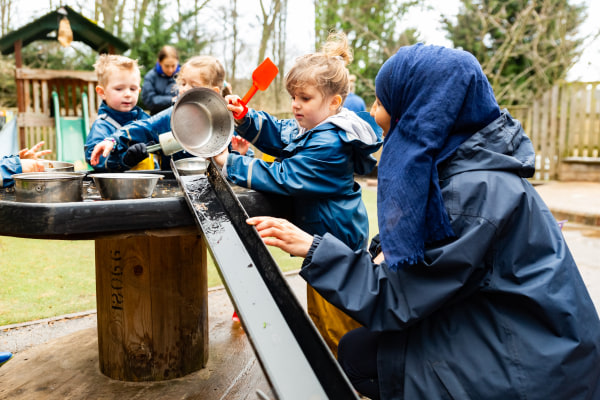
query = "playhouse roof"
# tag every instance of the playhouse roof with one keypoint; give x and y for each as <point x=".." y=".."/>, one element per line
<point x="46" y="28"/>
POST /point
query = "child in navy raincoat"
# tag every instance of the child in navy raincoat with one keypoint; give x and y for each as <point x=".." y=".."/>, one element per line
<point x="128" y="145"/>
<point x="159" y="87"/>
<point x="317" y="154"/>
<point x="119" y="88"/>
<point x="25" y="161"/>
<point x="472" y="292"/>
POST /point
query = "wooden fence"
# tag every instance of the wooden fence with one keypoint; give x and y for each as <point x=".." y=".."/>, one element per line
<point x="564" y="126"/>
<point x="35" y="119"/>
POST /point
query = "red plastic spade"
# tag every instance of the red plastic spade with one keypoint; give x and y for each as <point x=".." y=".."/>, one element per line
<point x="262" y="77"/>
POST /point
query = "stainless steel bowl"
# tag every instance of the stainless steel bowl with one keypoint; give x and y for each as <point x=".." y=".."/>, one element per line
<point x="201" y="122"/>
<point x="57" y="166"/>
<point x="191" y="166"/>
<point x="48" y="187"/>
<point x="122" y="186"/>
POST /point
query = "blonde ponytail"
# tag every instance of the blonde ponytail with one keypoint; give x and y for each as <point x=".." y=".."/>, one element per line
<point x="326" y="70"/>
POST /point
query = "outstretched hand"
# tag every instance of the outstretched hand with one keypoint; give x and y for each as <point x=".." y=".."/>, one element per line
<point x="281" y="233"/>
<point x="101" y="149"/>
<point x="240" y="144"/>
<point x="34" y="152"/>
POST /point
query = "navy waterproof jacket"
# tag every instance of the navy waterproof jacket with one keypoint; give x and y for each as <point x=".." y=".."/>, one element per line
<point x="9" y="165"/>
<point x="158" y="91"/>
<point x="106" y="124"/>
<point x="500" y="312"/>
<point x="316" y="168"/>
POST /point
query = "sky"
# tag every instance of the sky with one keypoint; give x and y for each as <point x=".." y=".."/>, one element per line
<point x="301" y="35"/>
<point x="587" y="69"/>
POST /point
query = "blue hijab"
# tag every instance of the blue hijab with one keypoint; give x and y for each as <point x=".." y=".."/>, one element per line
<point x="437" y="98"/>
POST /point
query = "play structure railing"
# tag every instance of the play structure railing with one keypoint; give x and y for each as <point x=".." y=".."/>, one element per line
<point x="36" y="114"/>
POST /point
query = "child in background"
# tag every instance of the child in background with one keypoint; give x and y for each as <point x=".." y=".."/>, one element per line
<point x="119" y="88"/>
<point x="159" y="87"/>
<point x="129" y="145"/>
<point x="318" y="154"/>
<point x="25" y="161"/>
<point x="354" y="102"/>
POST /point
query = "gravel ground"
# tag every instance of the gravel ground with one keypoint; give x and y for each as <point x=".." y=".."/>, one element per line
<point x="19" y="337"/>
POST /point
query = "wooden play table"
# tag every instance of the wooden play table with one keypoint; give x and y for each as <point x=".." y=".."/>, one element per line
<point x="151" y="266"/>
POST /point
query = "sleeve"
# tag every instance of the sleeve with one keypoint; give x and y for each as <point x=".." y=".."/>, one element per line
<point x="142" y="131"/>
<point x="9" y="165"/>
<point x="393" y="300"/>
<point x="264" y="131"/>
<point x="320" y="168"/>
<point x="99" y="131"/>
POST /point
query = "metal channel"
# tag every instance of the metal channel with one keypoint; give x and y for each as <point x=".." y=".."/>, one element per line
<point x="294" y="357"/>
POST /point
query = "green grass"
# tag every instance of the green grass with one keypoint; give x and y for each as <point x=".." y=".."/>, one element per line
<point x="46" y="278"/>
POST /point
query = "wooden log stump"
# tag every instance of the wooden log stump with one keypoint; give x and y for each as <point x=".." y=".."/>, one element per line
<point x="151" y="292"/>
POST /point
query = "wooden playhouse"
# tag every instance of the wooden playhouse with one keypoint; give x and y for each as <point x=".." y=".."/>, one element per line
<point x="57" y="106"/>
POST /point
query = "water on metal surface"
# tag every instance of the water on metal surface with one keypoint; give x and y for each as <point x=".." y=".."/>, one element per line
<point x="294" y="357"/>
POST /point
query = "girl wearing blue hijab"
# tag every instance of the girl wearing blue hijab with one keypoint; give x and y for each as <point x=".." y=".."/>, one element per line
<point x="472" y="292"/>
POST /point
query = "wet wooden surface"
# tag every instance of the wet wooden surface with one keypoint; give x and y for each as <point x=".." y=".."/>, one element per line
<point x="68" y="367"/>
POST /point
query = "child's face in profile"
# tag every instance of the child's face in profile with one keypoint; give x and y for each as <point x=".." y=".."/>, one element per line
<point x="122" y="90"/>
<point x="382" y="118"/>
<point x="310" y="107"/>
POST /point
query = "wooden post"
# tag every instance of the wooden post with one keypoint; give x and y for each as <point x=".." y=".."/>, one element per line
<point x="20" y="89"/>
<point x="152" y="306"/>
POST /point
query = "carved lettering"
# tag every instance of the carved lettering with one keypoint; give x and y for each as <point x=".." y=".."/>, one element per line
<point x="116" y="280"/>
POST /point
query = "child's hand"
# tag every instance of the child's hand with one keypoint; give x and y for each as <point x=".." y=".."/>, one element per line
<point x="31" y="165"/>
<point x="281" y="233"/>
<point x="135" y="154"/>
<point x="221" y="159"/>
<point x="234" y="104"/>
<point x="239" y="144"/>
<point x="101" y="149"/>
<point x="33" y="153"/>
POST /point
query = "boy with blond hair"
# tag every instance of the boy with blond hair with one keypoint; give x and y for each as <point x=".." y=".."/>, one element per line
<point x="119" y="82"/>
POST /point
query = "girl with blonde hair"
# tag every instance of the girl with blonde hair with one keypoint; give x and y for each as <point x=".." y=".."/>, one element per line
<point x="317" y="154"/>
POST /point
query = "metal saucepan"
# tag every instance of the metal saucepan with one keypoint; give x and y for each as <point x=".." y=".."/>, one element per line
<point x="48" y="187"/>
<point x="201" y="122"/>
<point x="122" y="186"/>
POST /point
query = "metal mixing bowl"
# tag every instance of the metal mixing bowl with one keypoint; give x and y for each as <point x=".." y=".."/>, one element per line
<point x="201" y="122"/>
<point x="57" y="166"/>
<point x="122" y="186"/>
<point x="191" y="166"/>
<point x="48" y="187"/>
